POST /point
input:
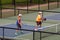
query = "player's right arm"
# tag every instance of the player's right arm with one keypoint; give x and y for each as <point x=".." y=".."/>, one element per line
<point x="18" y="19"/>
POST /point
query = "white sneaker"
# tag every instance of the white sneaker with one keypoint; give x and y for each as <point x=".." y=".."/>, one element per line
<point x="35" y="29"/>
<point x="16" y="34"/>
<point x="21" y="31"/>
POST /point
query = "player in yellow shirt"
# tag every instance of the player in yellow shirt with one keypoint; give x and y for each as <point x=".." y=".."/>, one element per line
<point x="39" y="20"/>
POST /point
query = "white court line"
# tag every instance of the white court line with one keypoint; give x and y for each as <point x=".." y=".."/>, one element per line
<point x="19" y="37"/>
<point x="23" y="35"/>
<point x="50" y="26"/>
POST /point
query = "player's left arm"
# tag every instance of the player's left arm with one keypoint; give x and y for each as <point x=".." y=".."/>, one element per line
<point x="21" y="23"/>
<point x="43" y="18"/>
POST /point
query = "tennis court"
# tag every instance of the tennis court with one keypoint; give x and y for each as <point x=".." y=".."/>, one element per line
<point x="29" y="23"/>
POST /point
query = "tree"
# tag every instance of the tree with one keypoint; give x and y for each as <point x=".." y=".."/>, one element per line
<point x="30" y="1"/>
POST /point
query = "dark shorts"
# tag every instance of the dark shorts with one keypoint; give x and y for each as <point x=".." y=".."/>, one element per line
<point x="38" y="23"/>
<point x="18" y="26"/>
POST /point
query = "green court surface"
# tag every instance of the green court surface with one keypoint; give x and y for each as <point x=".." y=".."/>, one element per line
<point x="30" y="20"/>
<point x="57" y="10"/>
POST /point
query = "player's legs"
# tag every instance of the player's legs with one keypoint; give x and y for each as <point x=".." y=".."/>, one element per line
<point x="40" y="23"/>
<point x="37" y="24"/>
<point x="18" y="27"/>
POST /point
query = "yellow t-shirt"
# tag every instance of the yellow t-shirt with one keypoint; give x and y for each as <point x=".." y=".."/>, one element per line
<point x="38" y="18"/>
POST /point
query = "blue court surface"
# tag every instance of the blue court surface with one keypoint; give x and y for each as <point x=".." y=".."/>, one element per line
<point x="10" y="33"/>
<point x="54" y="17"/>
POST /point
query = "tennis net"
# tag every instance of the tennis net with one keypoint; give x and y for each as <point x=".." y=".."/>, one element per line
<point x="52" y="28"/>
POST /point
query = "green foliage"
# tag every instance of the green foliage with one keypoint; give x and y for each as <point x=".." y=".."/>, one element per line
<point x="6" y="1"/>
<point x="52" y="0"/>
<point x="21" y="0"/>
<point x="10" y="1"/>
<point x="25" y="1"/>
<point x="36" y="1"/>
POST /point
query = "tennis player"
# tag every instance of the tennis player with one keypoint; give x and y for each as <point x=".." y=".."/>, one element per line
<point x="19" y="23"/>
<point x="38" y="20"/>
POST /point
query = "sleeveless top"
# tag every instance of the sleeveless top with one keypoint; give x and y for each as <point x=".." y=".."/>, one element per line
<point x="18" y="22"/>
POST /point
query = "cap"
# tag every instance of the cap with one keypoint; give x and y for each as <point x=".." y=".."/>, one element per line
<point x="39" y="12"/>
<point x="20" y="15"/>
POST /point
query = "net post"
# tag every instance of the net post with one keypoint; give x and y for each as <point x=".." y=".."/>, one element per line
<point x="3" y="33"/>
<point x="0" y="8"/>
<point x="40" y="35"/>
<point x="33" y="35"/>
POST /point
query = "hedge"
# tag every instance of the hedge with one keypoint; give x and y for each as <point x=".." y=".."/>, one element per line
<point x="24" y="1"/>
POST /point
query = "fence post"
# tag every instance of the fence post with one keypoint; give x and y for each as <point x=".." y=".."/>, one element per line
<point x="18" y="11"/>
<point x="0" y="9"/>
<point x="57" y="3"/>
<point x="27" y="5"/>
<point x="30" y="1"/>
<point x="38" y="4"/>
<point x="14" y="7"/>
<point x="48" y="4"/>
